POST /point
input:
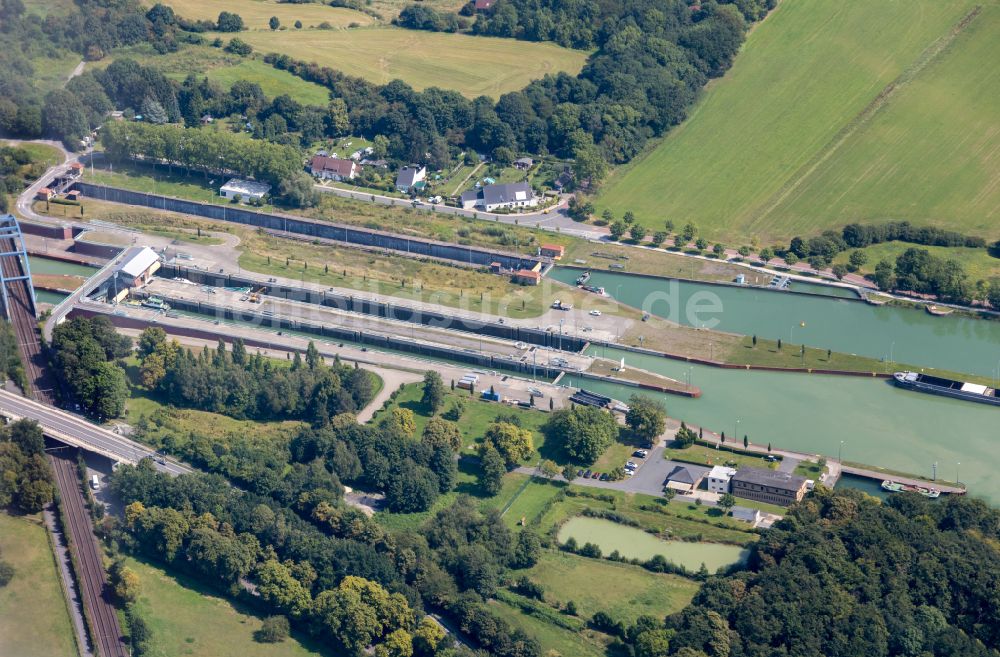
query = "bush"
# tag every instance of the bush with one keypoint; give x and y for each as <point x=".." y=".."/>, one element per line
<point x="6" y="573"/>
<point x="274" y="630"/>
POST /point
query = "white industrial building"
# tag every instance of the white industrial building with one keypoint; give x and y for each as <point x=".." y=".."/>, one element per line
<point x="244" y="190"/>
<point x="718" y="479"/>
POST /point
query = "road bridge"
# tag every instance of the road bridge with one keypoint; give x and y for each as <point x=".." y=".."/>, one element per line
<point x="78" y="432"/>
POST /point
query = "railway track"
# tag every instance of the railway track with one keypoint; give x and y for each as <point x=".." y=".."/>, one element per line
<point x="101" y="613"/>
<point x="107" y="635"/>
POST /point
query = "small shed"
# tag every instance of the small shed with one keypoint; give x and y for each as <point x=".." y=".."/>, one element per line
<point x="524" y="163"/>
<point x="682" y="480"/>
<point x="526" y="277"/>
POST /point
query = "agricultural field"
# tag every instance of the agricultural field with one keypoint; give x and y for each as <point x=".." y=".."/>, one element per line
<point x="554" y="639"/>
<point x="257" y="13"/>
<point x="34" y="620"/>
<point x="471" y="65"/>
<point x="186" y="618"/>
<point x="824" y="136"/>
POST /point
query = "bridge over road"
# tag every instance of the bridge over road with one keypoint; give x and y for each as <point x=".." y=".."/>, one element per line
<point x="78" y="432"/>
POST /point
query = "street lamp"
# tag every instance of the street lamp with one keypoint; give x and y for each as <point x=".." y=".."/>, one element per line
<point x="736" y="429"/>
<point x="957" y="479"/>
<point x="840" y="451"/>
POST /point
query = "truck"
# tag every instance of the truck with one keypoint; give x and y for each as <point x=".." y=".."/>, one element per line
<point x="95" y="482"/>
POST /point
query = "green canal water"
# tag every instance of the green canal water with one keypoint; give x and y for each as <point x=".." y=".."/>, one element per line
<point x="636" y="544"/>
<point x="959" y="344"/>
<point x="879" y="423"/>
<point x="41" y="265"/>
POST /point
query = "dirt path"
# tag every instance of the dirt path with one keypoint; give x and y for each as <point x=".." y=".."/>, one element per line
<point x="391" y="380"/>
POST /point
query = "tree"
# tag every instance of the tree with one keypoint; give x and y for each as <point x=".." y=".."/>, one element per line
<point x="629" y="217"/>
<point x="569" y="473"/>
<point x="109" y="391"/>
<point x="766" y="255"/>
<point x="727" y="502"/>
<point x="719" y="250"/>
<point x="746" y="442"/>
<point x="685" y="436"/>
<point x="124" y="582"/>
<point x="153" y="112"/>
<point x="298" y="25"/>
<point x="492" y="470"/>
<point x="427" y="637"/>
<point x="885" y="275"/>
<point x="701" y="244"/>
<point x="433" y="397"/>
<point x="298" y="191"/>
<point x="229" y="22"/>
<point x="839" y="271"/>
<point x="441" y="432"/>
<point x="274" y="22"/>
<point x="790" y="258"/>
<point x="646" y="418"/>
<point x="401" y="419"/>
<point x="637" y="232"/>
<point x="548" y="469"/>
<point x="653" y="643"/>
<point x="275" y="629"/>
<point x="617" y="230"/>
<point x="689" y="232"/>
<point x="28" y="436"/>
<point x="511" y="441"/>
<point x="7" y="573"/>
<point x="527" y="550"/>
<point x="658" y="238"/>
<point x="279" y="588"/>
<point x="583" y="432"/>
<point x="63" y="117"/>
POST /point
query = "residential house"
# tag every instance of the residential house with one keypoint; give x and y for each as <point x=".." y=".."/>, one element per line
<point x="718" y="479"/>
<point x="683" y="480"/>
<point x="244" y="190"/>
<point x="524" y="163"/>
<point x="333" y="168"/>
<point x="554" y="251"/>
<point x="770" y="486"/>
<point x="207" y="119"/>
<point x="44" y="194"/>
<point x="411" y="177"/>
<point x="526" y="277"/>
<point x="563" y="180"/>
<point x="507" y="196"/>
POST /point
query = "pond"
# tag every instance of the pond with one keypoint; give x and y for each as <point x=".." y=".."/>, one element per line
<point x="636" y="544"/>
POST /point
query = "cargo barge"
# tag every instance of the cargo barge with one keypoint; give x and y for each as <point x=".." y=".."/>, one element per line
<point x="937" y="385"/>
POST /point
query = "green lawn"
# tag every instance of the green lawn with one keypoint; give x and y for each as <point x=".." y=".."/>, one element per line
<point x="709" y="456"/>
<point x="622" y="590"/>
<point x="804" y="155"/>
<point x="53" y="72"/>
<point x="34" y="620"/>
<point x="471" y="65"/>
<point x="271" y="80"/>
<point x="186" y="618"/>
<point x="43" y="154"/>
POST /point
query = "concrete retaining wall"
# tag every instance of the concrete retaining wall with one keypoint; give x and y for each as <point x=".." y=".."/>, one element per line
<point x="52" y="231"/>
<point x="313" y="228"/>
<point x="335" y="333"/>
<point x="365" y="306"/>
<point x="97" y="250"/>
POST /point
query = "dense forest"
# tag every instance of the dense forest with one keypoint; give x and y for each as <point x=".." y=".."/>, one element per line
<point x="846" y="575"/>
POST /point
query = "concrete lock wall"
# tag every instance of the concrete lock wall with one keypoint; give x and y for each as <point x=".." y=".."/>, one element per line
<point x="483" y="361"/>
<point x="96" y="249"/>
<point x="312" y="228"/>
<point x="364" y="306"/>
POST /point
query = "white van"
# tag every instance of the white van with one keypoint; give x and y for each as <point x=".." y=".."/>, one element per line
<point x="95" y="483"/>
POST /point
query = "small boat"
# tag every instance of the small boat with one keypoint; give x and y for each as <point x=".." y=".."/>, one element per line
<point x="896" y="487"/>
<point x="583" y="278"/>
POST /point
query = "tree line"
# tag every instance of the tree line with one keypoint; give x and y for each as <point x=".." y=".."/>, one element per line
<point x="26" y="482"/>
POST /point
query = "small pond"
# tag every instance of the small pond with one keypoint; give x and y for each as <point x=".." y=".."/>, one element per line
<point x="635" y="543"/>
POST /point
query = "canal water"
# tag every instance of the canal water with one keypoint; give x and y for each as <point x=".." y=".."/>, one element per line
<point x="634" y="543"/>
<point x="40" y="265"/>
<point x="907" y="335"/>
<point x="879" y="423"/>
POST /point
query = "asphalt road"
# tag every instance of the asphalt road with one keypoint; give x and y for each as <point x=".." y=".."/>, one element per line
<point x="67" y="426"/>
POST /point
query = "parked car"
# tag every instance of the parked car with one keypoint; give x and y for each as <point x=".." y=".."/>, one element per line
<point x="604" y="476"/>
<point x="640" y="453"/>
<point x="586" y="474"/>
<point x="770" y="459"/>
<point x="631" y="464"/>
<point x="595" y="313"/>
<point x="579" y="473"/>
<point x="596" y="475"/>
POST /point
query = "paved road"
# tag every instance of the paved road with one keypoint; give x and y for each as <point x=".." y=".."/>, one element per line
<point x="77" y="431"/>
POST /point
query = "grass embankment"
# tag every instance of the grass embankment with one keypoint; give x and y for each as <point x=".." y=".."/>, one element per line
<point x="187" y="618"/>
<point x="805" y="155"/>
<point x="656" y="263"/>
<point x="978" y="263"/>
<point x="257" y="13"/>
<point x="34" y="620"/>
<point x="709" y="456"/>
<point x="472" y="65"/>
